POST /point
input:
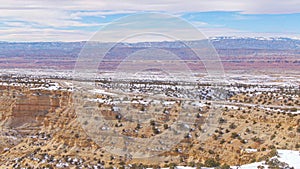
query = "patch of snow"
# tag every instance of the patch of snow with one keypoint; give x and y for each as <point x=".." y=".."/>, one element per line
<point x="250" y="150"/>
<point x="290" y="157"/>
<point x="250" y="166"/>
<point x="62" y="165"/>
<point x="97" y="100"/>
<point x="95" y="91"/>
<point x="199" y="104"/>
<point x="295" y="112"/>
<point x="168" y="103"/>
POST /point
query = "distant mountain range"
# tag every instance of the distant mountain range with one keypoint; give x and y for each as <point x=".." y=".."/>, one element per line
<point x="236" y="52"/>
<point x="256" y="43"/>
<point x="218" y="42"/>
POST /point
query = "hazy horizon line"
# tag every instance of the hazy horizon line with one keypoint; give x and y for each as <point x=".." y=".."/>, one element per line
<point x="161" y="41"/>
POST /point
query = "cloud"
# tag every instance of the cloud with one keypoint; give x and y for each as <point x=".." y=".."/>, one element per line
<point x="200" y="24"/>
<point x="45" y="17"/>
<point x="102" y="14"/>
<point x="33" y="34"/>
<point x="66" y="20"/>
<point x="177" y="6"/>
<point x="173" y="6"/>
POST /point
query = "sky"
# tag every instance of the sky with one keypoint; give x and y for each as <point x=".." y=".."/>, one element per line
<point x="53" y="20"/>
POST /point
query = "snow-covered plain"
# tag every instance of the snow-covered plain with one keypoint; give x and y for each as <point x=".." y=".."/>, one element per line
<point x="291" y="157"/>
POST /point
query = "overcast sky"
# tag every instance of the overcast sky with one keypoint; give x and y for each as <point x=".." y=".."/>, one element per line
<point x="53" y="20"/>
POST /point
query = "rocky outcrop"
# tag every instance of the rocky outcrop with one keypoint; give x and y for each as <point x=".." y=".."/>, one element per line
<point x="39" y="128"/>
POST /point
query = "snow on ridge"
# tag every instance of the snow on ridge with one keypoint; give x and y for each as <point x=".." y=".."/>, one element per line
<point x="281" y="38"/>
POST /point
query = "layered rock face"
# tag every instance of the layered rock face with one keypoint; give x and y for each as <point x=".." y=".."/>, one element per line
<point x="23" y="112"/>
<point x="21" y="109"/>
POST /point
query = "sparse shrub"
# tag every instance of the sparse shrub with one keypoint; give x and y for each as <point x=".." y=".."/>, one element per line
<point x="256" y="139"/>
<point x="85" y="123"/>
<point x="215" y="137"/>
<point x="243" y="141"/>
<point x="275" y="163"/>
<point x="155" y="130"/>
<point x="272" y="146"/>
<point x="172" y="165"/>
<point x="152" y="123"/>
<point x="199" y="165"/>
<point x="221" y="120"/>
<point x="293" y="109"/>
<point x="225" y="166"/>
<point x="199" y="128"/>
<point x="273" y="153"/>
<point x="272" y="137"/>
<point x="234" y="135"/>
<point x="232" y="126"/>
<point x="192" y="164"/>
<point x="278" y="125"/>
<point x="211" y="163"/>
<point x="253" y="160"/>
<point x="138" y="126"/>
<point x="211" y="152"/>
<point x="222" y="141"/>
